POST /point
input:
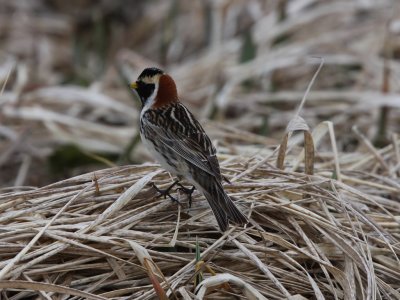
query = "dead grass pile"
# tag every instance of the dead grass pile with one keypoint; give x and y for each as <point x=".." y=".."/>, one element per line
<point x="106" y="234"/>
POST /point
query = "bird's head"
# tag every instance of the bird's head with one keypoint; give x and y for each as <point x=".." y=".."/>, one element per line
<point x="155" y="88"/>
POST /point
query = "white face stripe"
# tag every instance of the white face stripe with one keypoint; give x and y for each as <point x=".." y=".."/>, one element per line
<point x="150" y="101"/>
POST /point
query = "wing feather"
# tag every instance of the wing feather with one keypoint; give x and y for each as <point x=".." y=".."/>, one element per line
<point x="194" y="146"/>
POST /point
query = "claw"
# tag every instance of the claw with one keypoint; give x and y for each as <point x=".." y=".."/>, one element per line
<point x="187" y="191"/>
<point x="166" y="192"/>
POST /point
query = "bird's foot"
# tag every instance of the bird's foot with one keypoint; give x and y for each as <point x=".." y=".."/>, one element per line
<point x="166" y="192"/>
<point x="187" y="191"/>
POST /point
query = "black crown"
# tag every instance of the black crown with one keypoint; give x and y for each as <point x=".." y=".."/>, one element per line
<point x="150" y="72"/>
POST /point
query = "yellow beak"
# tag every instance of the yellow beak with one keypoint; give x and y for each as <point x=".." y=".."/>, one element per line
<point x="133" y="85"/>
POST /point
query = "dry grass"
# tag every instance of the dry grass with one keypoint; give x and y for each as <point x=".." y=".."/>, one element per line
<point x="324" y="225"/>
<point x="106" y="234"/>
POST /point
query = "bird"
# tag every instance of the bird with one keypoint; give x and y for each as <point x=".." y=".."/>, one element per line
<point x="179" y="143"/>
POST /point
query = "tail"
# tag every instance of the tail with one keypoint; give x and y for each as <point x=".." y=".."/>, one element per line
<point x="222" y="206"/>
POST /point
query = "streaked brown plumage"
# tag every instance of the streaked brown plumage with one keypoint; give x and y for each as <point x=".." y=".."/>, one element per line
<point x="178" y="141"/>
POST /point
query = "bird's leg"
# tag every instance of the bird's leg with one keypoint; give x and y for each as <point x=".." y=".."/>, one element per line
<point x="165" y="192"/>
<point x="187" y="191"/>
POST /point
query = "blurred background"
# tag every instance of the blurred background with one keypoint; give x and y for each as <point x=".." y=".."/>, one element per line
<point x="241" y="66"/>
